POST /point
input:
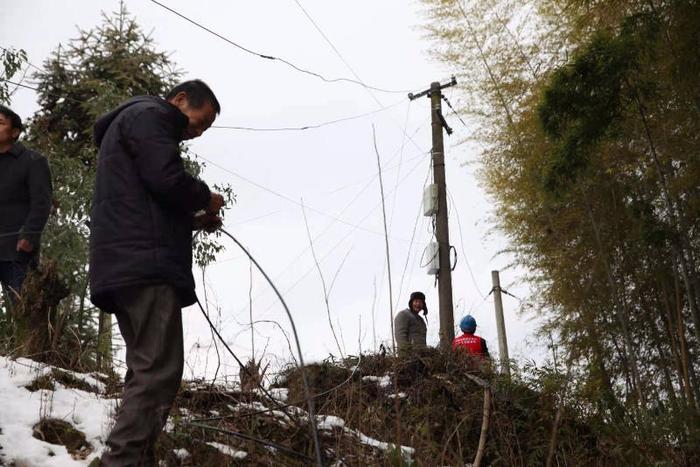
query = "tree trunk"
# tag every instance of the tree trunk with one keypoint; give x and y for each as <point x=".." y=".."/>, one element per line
<point x="104" y="341"/>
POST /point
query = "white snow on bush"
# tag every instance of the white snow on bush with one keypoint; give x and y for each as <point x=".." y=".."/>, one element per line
<point x="21" y="409"/>
<point x="382" y="381"/>
<point x="384" y="446"/>
<point x="259" y="407"/>
<point x="400" y="395"/>
<point x="328" y="422"/>
<point x="281" y="394"/>
<point x="228" y="450"/>
<point x="181" y="453"/>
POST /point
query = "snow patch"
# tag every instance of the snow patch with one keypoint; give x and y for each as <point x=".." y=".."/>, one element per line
<point x="228" y="450"/>
<point x="21" y="409"/>
<point x="279" y="394"/>
<point x="382" y="381"/>
<point x="328" y="422"/>
<point x="181" y="453"/>
<point x="384" y="446"/>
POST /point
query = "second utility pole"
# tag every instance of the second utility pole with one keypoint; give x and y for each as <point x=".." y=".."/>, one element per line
<point x="442" y="233"/>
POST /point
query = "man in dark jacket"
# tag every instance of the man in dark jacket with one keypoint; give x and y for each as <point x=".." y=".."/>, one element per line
<point x="25" y="203"/>
<point x="141" y="250"/>
<point x="410" y="329"/>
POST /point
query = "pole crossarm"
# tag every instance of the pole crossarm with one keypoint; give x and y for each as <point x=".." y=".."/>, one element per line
<point x="452" y="82"/>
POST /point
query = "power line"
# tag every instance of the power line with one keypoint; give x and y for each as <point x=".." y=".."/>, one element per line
<point x="289" y="199"/>
<point x="349" y="67"/>
<point x="20" y="85"/>
<point x="444" y="98"/>
<point x="328" y="41"/>
<point x="247" y="128"/>
<point x="310" y="126"/>
<point x="336" y="245"/>
<point x="410" y="246"/>
<point x="362" y="190"/>
<point x="273" y="58"/>
<point x="461" y="241"/>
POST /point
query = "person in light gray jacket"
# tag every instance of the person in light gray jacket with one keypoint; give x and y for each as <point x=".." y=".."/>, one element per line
<point x="410" y="328"/>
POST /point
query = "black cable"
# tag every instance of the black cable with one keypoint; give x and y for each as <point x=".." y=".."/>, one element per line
<point x="307" y="391"/>
<point x="273" y="58"/>
<point x="454" y="250"/>
<point x="216" y="346"/>
<point x="453" y="110"/>
<point x="21" y="85"/>
<point x="233" y="354"/>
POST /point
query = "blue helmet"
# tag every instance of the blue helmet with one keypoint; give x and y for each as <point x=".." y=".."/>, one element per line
<point x="468" y="324"/>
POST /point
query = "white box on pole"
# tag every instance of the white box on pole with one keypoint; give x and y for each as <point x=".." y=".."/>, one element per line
<point x="430" y="200"/>
<point x="431" y="257"/>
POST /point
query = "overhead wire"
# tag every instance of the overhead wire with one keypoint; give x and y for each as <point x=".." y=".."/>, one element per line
<point x="368" y="89"/>
<point x="342" y="211"/>
<point x="21" y="85"/>
<point x="240" y="127"/>
<point x="309" y="126"/>
<point x="461" y="241"/>
<point x="444" y="98"/>
<point x="336" y="245"/>
<point x="323" y="232"/>
<point x="274" y="58"/>
<point x="408" y="255"/>
<point x="287" y="198"/>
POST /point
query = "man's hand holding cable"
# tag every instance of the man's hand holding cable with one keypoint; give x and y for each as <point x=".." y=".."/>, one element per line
<point x="207" y="222"/>
<point x="216" y="202"/>
<point x="210" y="221"/>
<point x="25" y="246"/>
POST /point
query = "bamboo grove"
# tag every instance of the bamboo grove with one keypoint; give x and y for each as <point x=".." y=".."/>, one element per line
<point x="588" y="113"/>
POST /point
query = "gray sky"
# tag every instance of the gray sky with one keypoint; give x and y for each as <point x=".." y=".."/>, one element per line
<point x="332" y="168"/>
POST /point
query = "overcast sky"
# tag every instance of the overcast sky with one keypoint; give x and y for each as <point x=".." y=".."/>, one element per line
<point x="333" y="168"/>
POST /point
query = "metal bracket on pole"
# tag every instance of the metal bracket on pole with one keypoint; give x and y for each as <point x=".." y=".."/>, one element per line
<point x="452" y="82"/>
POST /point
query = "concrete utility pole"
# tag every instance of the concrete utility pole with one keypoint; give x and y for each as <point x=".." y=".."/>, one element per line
<point x="500" y="324"/>
<point x="442" y="233"/>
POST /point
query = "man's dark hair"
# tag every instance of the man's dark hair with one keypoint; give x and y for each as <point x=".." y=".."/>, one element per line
<point x="197" y="94"/>
<point x="15" y="119"/>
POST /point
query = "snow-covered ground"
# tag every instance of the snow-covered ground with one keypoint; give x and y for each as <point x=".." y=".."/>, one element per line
<point x="92" y="414"/>
<point x="21" y="409"/>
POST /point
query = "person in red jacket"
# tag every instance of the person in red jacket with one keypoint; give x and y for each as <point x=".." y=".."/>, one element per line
<point x="468" y="342"/>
